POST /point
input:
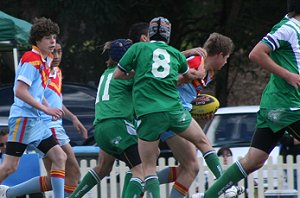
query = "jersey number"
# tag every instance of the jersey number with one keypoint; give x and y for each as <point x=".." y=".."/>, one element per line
<point x="161" y="67"/>
<point x="105" y="95"/>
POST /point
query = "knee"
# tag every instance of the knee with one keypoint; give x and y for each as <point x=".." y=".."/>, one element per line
<point x="192" y="167"/>
<point x="60" y="158"/>
<point x="10" y="169"/>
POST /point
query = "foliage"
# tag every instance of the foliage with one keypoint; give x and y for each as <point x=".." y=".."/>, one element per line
<point x="86" y="25"/>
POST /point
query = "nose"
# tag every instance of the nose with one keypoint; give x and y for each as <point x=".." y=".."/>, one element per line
<point x="53" y="39"/>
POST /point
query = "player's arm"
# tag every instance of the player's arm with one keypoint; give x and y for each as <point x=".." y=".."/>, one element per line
<point x="122" y="75"/>
<point x="45" y="102"/>
<point x="76" y="122"/>
<point x="23" y="94"/>
<point x="192" y="74"/>
<point x="195" y="51"/>
<point x="260" y="55"/>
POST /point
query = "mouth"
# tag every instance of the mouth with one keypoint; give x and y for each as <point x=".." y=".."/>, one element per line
<point x="52" y="47"/>
<point x="54" y="62"/>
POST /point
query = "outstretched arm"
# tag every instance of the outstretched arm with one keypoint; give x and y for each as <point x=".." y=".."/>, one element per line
<point x="76" y="122"/>
<point x="195" y="51"/>
<point x="121" y="75"/>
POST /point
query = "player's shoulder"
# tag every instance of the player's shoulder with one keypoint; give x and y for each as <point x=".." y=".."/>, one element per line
<point x="32" y="58"/>
<point x="139" y="44"/>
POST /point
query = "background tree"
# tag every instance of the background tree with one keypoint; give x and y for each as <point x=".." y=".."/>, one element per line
<point x="86" y="25"/>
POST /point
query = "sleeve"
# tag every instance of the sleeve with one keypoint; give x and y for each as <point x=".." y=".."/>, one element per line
<point x="278" y="36"/>
<point x="27" y="73"/>
<point x="125" y="64"/>
<point x="183" y="68"/>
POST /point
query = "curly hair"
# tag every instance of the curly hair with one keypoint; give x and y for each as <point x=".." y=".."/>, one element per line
<point x="217" y="43"/>
<point x="42" y="27"/>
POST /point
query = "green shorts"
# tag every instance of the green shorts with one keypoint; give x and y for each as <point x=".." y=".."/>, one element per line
<point x="276" y="119"/>
<point x="154" y="124"/>
<point x="114" y="136"/>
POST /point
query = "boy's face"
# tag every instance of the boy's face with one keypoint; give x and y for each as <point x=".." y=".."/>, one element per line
<point x="47" y="44"/>
<point x="226" y="155"/>
<point x="220" y="61"/>
<point x="57" y="53"/>
<point x="3" y="140"/>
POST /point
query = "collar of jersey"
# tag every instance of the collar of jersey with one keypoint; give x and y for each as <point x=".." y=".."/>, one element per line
<point x="36" y="50"/>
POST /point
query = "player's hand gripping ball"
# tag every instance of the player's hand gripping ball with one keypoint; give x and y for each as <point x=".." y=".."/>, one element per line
<point x="204" y="105"/>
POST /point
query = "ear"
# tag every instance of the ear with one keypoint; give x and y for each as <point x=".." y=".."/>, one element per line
<point x="221" y="54"/>
<point x="144" y="38"/>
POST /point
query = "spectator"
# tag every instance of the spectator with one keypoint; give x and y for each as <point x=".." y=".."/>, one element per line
<point x="3" y="140"/>
<point x="225" y="153"/>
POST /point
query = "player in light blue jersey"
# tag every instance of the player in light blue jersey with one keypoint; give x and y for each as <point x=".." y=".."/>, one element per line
<point x="53" y="96"/>
<point x="25" y="124"/>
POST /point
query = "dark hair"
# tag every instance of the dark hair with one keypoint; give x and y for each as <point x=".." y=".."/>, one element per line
<point x="58" y="41"/>
<point x="137" y="30"/>
<point x="223" y="149"/>
<point x="217" y="43"/>
<point x="293" y="7"/>
<point x="3" y="131"/>
<point x="42" y="27"/>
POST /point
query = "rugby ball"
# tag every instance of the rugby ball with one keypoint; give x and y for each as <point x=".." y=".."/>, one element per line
<point x="204" y="105"/>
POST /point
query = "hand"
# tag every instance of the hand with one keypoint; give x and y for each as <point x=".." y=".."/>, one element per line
<point x="56" y="113"/>
<point x="199" y="73"/>
<point x="206" y="118"/>
<point x="80" y="128"/>
<point x="198" y="51"/>
<point x="293" y="79"/>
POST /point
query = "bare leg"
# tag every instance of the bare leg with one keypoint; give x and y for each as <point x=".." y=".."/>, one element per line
<point x="72" y="172"/>
<point x="148" y="153"/>
<point x="9" y="165"/>
<point x="185" y="152"/>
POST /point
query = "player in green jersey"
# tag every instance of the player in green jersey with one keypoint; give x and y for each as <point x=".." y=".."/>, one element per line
<point x="155" y="67"/>
<point x="278" y="52"/>
<point x="114" y="129"/>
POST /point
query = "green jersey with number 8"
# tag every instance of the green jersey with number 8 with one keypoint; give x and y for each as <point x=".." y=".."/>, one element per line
<point x="156" y="67"/>
<point x="114" y="98"/>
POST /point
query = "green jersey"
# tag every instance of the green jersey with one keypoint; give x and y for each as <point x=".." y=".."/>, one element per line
<point x="156" y="67"/>
<point x="114" y="98"/>
<point x="280" y="102"/>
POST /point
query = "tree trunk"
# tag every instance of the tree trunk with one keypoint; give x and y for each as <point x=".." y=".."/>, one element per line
<point x="229" y="15"/>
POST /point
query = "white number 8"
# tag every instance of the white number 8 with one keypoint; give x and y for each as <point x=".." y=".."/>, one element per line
<point x="161" y="63"/>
